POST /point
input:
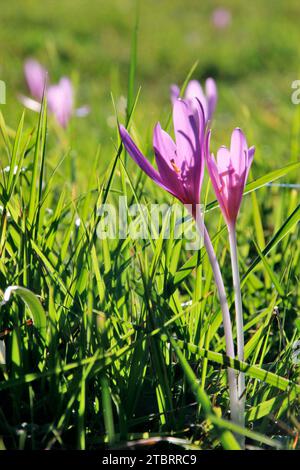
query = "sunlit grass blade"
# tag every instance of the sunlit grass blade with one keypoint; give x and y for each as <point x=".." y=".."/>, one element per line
<point x="33" y="304"/>
<point x="288" y="225"/>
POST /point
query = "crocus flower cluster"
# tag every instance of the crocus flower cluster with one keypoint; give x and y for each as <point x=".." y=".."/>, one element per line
<point x="180" y="167"/>
<point x="60" y="96"/>
<point x="181" y="163"/>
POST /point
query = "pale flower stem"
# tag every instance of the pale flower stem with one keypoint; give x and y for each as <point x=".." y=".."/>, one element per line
<point x="232" y="383"/>
<point x="239" y="318"/>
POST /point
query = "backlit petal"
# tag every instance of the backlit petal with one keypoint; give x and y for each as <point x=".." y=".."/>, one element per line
<point x="140" y="159"/>
<point x="238" y="151"/>
<point x="186" y="132"/>
<point x="211" y="97"/>
<point x="194" y="90"/>
<point x="175" y="92"/>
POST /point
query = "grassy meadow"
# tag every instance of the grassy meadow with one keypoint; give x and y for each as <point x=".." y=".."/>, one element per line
<point x="118" y="342"/>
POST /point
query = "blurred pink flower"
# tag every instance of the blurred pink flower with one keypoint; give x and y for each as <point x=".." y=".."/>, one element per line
<point x="60" y="96"/>
<point x="229" y="173"/>
<point x="61" y="100"/>
<point x="193" y="90"/>
<point x="36" y="77"/>
<point x="221" y="18"/>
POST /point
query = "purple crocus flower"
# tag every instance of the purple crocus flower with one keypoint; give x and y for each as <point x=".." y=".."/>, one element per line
<point x="229" y="173"/>
<point x="60" y="96"/>
<point x="180" y="164"/>
<point x="193" y="90"/>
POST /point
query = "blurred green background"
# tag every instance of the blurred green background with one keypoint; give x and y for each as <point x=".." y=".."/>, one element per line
<point x="254" y="60"/>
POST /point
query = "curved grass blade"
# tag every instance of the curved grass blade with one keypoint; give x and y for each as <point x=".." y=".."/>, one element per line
<point x="292" y="220"/>
<point x="33" y="304"/>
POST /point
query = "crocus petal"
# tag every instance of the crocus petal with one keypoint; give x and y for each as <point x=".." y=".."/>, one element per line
<point x="60" y="101"/>
<point x="214" y="175"/>
<point x="199" y="115"/>
<point x="189" y="134"/>
<point x="211" y="97"/>
<point x="30" y="103"/>
<point x="238" y="151"/>
<point x="186" y="131"/>
<point x="207" y="144"/>
<point x="169" y="180"/>
<point x="199" y="159"/>
<point x="232" y="182"/>
<point x="140" y="159"/>
<point x="175" y="92"/>
<point x="66" y="86"/>
<point x="234" y="201"/>
<point x="238" y="141"/>
<point x="35" y="76"/>
<point x="194" y="90"/>
<point x="164" y="144"/>
<point x="224" y="161"/>
<point x="251" y="152"/>
<point x="166" y="160"/>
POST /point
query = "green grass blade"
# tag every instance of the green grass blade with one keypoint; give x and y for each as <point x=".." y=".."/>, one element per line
<point x="33" y="304"/>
